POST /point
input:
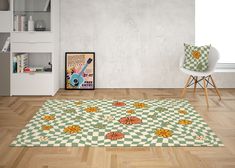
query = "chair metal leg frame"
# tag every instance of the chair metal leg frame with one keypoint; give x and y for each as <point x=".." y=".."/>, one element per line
<point x="195" y="85"/>
<point x="207" y="80"/>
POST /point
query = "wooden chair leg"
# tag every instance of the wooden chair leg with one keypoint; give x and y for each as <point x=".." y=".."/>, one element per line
<point x="216" y="89"/>
<point x="205" y="90"/>
<point x="195" y="84"/>
<point x="185" y="87"/>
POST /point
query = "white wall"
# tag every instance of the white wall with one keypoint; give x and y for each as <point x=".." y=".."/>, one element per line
<point x="215" y="25"/>
<point x="137" y="42"/>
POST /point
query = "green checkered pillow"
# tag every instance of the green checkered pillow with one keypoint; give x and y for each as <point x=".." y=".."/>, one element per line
<point x="196" y="58"/>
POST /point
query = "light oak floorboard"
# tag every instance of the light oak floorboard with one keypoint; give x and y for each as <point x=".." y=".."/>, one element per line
<point x="16" y="112"/>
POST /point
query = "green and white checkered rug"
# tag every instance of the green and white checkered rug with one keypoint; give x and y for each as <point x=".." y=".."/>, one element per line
<point x="166" y="122"/>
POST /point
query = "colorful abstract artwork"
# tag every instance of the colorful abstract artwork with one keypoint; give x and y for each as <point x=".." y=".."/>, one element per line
<point x="79" y="70"/>
<point x="166" y="122"/>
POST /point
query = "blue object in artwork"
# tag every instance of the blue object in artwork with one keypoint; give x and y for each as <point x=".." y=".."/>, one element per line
<point x="76" y="80"/>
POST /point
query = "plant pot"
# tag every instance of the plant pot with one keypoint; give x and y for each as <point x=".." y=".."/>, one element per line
<point x="4" y="5"/>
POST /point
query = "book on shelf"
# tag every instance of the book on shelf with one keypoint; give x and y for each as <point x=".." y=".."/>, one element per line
<point x="20" y="62"/>
<point x="6" y="46"/>
<point x="19" y="22"/>
<point x="16" y="22"/>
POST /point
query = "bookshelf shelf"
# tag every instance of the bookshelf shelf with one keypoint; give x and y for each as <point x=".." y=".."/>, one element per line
<point x="41" y="47"/>
<point x="5" y="12"/>
<point x="32" y="62"/>
<point x="32" y="12"/>
<point x="32" y="73"/>
<point x="6" y="53"/>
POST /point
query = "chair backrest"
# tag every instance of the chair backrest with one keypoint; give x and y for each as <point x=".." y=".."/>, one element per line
<point x="182" y="58"/>
<point x="213" y="58"/>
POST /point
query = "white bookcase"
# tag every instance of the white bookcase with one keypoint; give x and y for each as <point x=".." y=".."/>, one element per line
<point x="40" y="45"/>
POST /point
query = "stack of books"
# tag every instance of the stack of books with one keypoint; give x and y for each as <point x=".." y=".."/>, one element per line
<point x="19" y="23"/>
<point x="20" y="62"/>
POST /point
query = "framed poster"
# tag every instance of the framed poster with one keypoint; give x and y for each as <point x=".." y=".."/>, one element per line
<point x="79" y="70"/>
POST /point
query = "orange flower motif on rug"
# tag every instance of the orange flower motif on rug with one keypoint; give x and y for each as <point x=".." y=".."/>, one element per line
<point x="140" y="105"/>
<point x="114" y="135"/>
<point x="119" y="104"/>
<point x="184" y="122"/>
<point x="182" y="111"/>
<point x="48" y="117"/>
<point x="165" y="133"/>
<point x="72" y="129"/>
<point x="130" y="111"/>
<point x="46" y="127"/>
<point x="92" y="109"/>
<point x="196" y="54"/>
<point x="130" y="120"/>
<point x="200" y="138"/>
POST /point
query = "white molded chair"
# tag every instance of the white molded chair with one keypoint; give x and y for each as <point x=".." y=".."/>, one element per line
<point x="204" y="76"/>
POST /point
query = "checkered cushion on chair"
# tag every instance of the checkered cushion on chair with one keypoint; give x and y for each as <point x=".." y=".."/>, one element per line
<point x="196" y="58"/>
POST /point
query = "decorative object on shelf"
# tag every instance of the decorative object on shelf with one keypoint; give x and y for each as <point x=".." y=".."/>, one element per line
<point x="22" y="23"/>
<point x="40" y="25"/>
<point x="16" y="22"/>
<point x="48" y="68"/>
<point x="4" y="5"/>
<point x="47" y="5"/>
<point x="6" y="47"/>
<point x="79" y="70"/>
<point x="34" y="69"/>
<point x="30" y="24"/>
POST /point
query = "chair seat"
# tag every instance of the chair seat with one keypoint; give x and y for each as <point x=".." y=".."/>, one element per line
<point x="195" y="73"/>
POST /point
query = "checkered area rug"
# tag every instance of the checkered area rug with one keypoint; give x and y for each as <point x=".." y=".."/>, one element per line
<point x="117" y="123"/>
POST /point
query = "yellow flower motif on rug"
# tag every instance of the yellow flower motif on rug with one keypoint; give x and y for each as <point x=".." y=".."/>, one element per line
<point x="165" y="133"/>
<point x="108" y="118"/>
<point x="72" y="129"/>
<point x="183" y="111"/>
<point x="184" y="122"/>
<point x="48" y="117"/>
<point x="78" y="103"/>
<point x="196" y="54"/>
<point x="92" y="109"/>
<point x="43" y="138"/>
<point x="46" y="127"/>
<point x="140" y="105"/>
<point x="130" y="111"/>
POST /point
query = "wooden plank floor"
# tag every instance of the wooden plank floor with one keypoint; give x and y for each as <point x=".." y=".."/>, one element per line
<point x="15" y="112"/>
